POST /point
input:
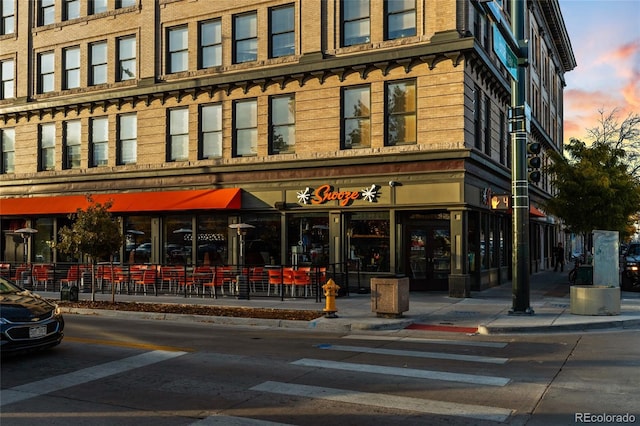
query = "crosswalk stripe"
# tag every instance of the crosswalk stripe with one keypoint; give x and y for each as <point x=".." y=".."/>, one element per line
<point x="478" y="412"/>
<point x="235" y="421"/>
<point x="405" y="372"/>
<point x="499" y="345"/>
<point x="52" y="384"/>
<point x="415" y="354"/>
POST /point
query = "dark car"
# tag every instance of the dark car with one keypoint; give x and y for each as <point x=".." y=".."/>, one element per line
<point x="27" y="321"/>
<point x="631" y="268"/>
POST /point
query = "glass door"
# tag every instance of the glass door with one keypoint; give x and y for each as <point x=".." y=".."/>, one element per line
<point x="429" y="255"/>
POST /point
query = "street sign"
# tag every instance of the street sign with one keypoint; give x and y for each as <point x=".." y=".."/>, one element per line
<point x="500" y="202"/>
<point x="504" y="52"/>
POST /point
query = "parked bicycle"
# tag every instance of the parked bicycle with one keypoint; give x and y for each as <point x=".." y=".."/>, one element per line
<point x="573" y="274"/>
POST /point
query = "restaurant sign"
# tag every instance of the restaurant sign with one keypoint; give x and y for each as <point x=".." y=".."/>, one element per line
<point x="326" y="193"/>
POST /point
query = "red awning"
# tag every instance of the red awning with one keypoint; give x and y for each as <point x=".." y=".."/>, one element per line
<point x="536" y="212"/>
<point x="129" y="202"/>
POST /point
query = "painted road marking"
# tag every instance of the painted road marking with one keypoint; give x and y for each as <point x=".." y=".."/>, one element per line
<point x="143" y="346"/>
<point x="405" y="372"/>
<point x="52" y="384"/>
<point x="499" y="345"/>
<point x="235" y="421"/>
<point x="415" y="354"/>
<point x="395" y="402"/>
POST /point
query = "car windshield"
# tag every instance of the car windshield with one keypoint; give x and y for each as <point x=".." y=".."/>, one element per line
<point x="634" y="250"/>
<point x="8" y="287"/>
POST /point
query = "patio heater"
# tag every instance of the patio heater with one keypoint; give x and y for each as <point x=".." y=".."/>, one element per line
<point x="242" y="279"/>
<point x="26" y="234"/>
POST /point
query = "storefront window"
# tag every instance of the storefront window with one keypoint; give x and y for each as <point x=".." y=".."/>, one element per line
<point x="368" y="241"/>
<point x="308" y="239"/>
<point x="178" y="240"/>
<point x="137" y="233"/>
<point x="212" y="240"/>
<point x="42" y="241"/>
<point x="262" y="243"/>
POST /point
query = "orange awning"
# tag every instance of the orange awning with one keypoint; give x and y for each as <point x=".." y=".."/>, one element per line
<point x="536" y="212"/>
<point x="129" y="202"/>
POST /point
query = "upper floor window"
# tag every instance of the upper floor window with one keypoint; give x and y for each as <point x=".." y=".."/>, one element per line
<point x="47" y="12"/>
<point x="7" y="24"/>
<point x="46" y="80"/>
<point x="356" y="116"/>
<point x="127" y="58"/>
<point x="127" y="139"/>
<point x="97" y="6"/>
<point x="8" y="150"/>
<point x="282" y="31"/>
<point x="178" y="134"/>
<point x="283" y="124"/>
<point x="71" y="144"/>
<point x="401" y="18"/>
<point x="71" y="9"/>
<point x="98" y="63"/>
<point x="71" y="58"/>
<point x="211" y="44"/>
<point x="7" y="80"/>
<point x="401" y="113"/>
<point x="47" y="152"/>
<point x="99" y="141"/>
<point x="178" y="55"/>
<point x="210" y="131"/>
<point x="245" y="127"/>
<point x="245" y="38"/>
<point x="125" y="3"/>
<point x="356" y="25"/>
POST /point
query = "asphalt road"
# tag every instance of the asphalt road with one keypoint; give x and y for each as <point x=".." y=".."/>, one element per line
<point x="112" y="371"/>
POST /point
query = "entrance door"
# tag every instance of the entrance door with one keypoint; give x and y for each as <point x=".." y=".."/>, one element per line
<point x="429" y="255"/>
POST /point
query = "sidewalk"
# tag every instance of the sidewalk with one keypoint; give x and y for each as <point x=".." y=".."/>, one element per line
<point x="485" y="312"/>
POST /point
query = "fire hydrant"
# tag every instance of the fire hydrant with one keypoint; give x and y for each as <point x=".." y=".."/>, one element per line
<point x="330" y="293"/>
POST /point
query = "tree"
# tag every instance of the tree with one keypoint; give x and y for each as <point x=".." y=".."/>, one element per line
<point x="625" y="136"/>
<point x="94" y="233"/>
<point x="594" y="188"/>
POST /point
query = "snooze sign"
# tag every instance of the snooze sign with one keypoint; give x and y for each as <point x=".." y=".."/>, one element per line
<point x="325" y="193"/>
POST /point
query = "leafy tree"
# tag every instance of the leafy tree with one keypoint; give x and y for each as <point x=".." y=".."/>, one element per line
<point x="94" y="233"/>
<point x="594" y="188"/>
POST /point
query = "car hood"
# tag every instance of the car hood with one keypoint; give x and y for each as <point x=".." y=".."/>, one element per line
<point x="24" y="306"/>
<point x="632" y="258"/>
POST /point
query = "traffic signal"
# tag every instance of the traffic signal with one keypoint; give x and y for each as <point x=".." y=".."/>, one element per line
<point x="533" y="161"/>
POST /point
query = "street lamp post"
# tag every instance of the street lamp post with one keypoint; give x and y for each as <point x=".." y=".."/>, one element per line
<point x="242" y="278"/>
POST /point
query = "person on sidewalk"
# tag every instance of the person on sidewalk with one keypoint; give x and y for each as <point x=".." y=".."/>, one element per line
<point x="558" y="254"/>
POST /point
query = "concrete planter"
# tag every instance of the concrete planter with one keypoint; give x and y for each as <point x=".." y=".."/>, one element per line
<point x="389" y="296"/>
<point x="594" y="300"/>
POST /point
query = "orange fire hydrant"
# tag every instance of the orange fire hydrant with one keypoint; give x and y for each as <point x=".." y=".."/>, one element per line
<point x="330" y="293"/>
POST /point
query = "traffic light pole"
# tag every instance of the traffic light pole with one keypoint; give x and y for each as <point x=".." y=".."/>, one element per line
<point x="519" y="123"/>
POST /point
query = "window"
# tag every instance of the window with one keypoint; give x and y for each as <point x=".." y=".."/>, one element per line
<point x="245" y="38"/>
<point x="356" y="117"/>
<point x="355" y="22"/>
<point x="71" y="60"/>
<point x="369" y="235"/>
<point x="47" y="70"/>
<point x="71" y="9"/>
<point x="245" y="128"/>
<point x="401" y="18"/>
<point x="97" y="6"/>
<point x="487" y="125"/>
<point x="47" y="157"/>
<point x="178" y="55"/>
<point x="127" y="58"/>
<point x="127" y="139"/>
<point x="7" y="24"/>
<point x="7" y="83"/>
<point x="125" y="3"/>
<point x="71" y="150"/>
<point x="47" y="12"/>
<point x="178" y="134"/>
<point x="211" y="44"/>
<point x="99" y="141"/>
<point x="8" y="150"/>
<point x="210" y="131"/>
<point x="477" y="105"/>
<point x="98" y="63"/>
<point x="283" y="124"/>
<point x="282" y="31"/>
<point x="401" y="113"/>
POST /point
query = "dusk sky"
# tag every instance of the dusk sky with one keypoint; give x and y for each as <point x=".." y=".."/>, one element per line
<point x="605" y="35"/>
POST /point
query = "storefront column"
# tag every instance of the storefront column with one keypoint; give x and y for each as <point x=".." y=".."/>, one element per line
<point x="459" y="278"/>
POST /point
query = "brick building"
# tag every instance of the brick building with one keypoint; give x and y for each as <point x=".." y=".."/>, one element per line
<point x="371" y="131"/>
